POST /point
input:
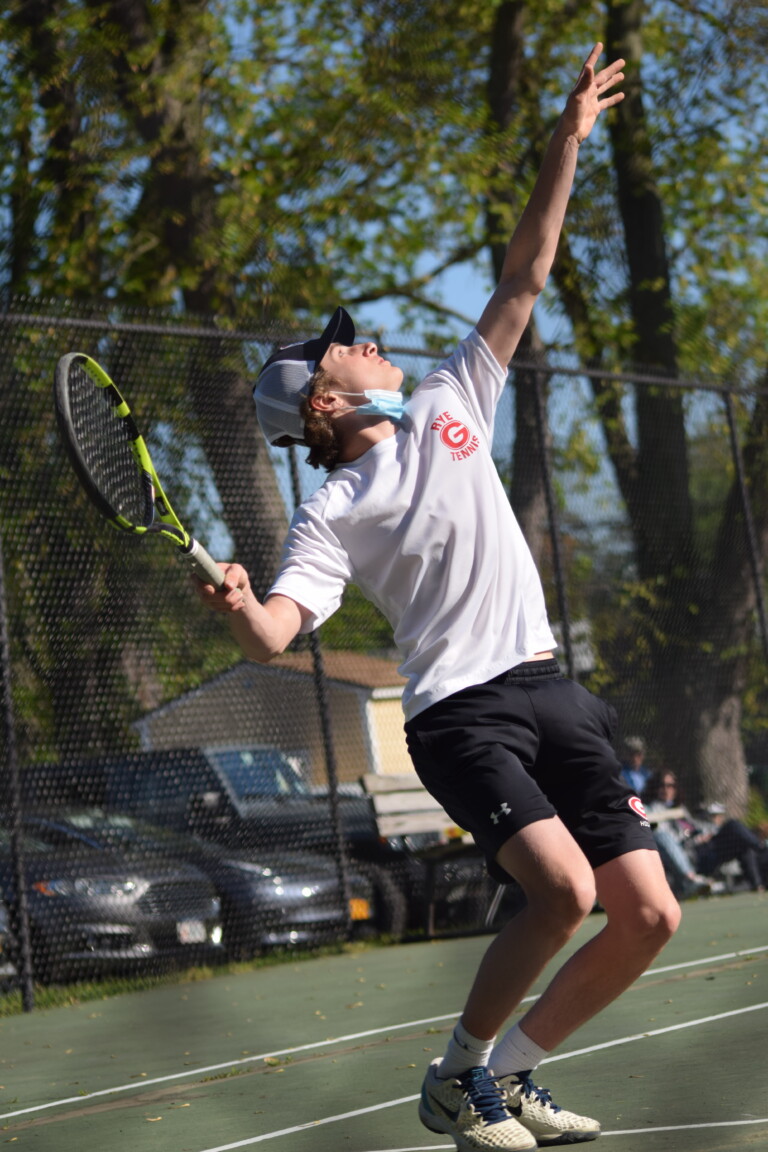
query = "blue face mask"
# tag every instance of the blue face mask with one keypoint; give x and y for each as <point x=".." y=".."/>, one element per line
<point x="380" y="403"/>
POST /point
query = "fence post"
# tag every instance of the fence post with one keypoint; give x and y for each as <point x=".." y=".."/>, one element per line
<point x="321" y="692"/>
<point x="749" y="523"/>
<point x="19" y="911"/>
<point x="554" y="523"/>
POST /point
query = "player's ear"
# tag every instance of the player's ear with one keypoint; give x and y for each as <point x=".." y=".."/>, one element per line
<point x="324" y="401"/>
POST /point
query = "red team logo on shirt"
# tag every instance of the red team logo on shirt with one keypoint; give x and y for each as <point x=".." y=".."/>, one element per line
<point x="455" y="436"/>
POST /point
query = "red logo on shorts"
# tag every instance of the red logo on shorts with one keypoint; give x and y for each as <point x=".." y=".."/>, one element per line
<point x="636" y="805"/>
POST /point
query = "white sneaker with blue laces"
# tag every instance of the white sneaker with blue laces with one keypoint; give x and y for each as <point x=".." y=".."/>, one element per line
<point x="470" y="1109"/>
<point x="537" y="1112"/>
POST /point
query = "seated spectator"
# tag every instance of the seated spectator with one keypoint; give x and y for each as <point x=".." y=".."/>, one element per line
<point x="634" y="770"/>
<point x="721" y="839"/>
<point x="672" y="828"/>
<point x="693" y="850"/>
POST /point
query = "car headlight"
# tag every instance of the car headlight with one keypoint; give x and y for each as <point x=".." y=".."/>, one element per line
<point x="247" y="866"/>
<point x="88" y="886"/>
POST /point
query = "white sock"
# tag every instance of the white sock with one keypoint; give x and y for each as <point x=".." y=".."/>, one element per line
<point x="464" y="1051"/>
<point x="515" y="1052"/>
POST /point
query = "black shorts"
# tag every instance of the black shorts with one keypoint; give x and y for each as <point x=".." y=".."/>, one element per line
<point x="526" y="746"/>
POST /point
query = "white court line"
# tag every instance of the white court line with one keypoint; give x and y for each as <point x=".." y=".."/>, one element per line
<point x="706" y="960"/>
<point x="566" y="1055"/>
<point x="232" y="1063"/>
<point x="684" y="1127"/>
<point x="623" y="1132"/>
<point x="206" y="1069"/>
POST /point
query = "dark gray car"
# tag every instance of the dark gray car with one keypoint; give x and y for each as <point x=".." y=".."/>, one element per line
<point x="92" y="912"/>
<point x="268" y="899"/>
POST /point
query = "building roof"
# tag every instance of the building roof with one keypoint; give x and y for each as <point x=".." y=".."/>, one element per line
<point x="345" y="667"/>
<point x="371" y="673"/>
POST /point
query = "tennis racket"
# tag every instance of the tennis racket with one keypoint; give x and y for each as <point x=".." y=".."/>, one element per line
<point x="112" y="461"/>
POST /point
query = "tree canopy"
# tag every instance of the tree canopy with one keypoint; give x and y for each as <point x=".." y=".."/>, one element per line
<point x="260" y="162"/>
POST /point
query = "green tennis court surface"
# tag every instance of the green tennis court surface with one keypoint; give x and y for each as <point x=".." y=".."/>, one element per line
<point x="329" y="1054"/>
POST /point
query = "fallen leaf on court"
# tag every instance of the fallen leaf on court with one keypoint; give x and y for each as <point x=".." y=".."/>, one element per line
<point x="271" y="1060"/>
<point x="152" y="1119"/>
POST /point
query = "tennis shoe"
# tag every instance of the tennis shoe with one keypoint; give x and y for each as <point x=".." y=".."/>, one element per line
<point x="537" y="1112"/>
<point x="470" y="1109"/>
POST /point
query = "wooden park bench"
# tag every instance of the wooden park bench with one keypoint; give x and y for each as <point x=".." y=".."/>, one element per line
<point x="403" y="807"/>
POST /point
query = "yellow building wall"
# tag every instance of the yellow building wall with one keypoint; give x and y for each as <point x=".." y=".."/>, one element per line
<point x="388" y="737"/>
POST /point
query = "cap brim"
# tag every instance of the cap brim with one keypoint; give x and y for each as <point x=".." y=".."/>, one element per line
<point x="338" y="330"/>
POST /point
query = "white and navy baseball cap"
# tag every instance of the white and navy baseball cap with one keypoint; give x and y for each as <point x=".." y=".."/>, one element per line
<point x="282" y="383"/>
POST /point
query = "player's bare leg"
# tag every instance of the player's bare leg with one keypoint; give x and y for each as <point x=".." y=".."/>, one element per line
<point x="642" y="915"/>
<point x="560" y="890"/>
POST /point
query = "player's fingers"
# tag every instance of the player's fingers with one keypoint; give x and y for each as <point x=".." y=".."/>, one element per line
<point x="610" y="76"/>
<point x="614" y="66"/>
<point x="611" y="100"/>
<point x="586" y="77"/>
<point x="229" y="597"/>
<point x="204" y="590"/>
<point x="594" y="54"/>
<point x="235" y="578"/>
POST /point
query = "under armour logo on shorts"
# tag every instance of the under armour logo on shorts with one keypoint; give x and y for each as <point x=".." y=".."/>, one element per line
<point x="505" y="810"/>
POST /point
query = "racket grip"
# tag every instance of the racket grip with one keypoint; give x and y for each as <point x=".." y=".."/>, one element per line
<point x="202" y="564"/>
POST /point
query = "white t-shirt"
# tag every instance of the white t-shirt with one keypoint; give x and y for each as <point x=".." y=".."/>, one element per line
<point x="422" y="524"/>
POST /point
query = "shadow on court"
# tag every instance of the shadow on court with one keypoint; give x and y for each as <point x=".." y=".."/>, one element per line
<point x="328" y="1054"/>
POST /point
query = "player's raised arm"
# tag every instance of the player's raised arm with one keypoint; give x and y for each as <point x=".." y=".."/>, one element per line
<point x="533" y="245"/>
<point x="261" y="630"/>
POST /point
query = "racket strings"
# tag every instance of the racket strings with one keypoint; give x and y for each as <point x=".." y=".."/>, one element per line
<point x="105" y="439"/>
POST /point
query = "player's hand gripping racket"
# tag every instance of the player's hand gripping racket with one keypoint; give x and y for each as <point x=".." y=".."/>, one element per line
<point x="113" y="463"/>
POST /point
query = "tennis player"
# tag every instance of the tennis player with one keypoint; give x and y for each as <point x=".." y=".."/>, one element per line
<point x="414" y="513"/>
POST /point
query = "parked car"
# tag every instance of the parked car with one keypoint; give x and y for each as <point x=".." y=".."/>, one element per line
<point x="8" y="970"/>
<point x="255" y="798"/>
<point x="91" y="912"/>
<point x="267" y="899"/>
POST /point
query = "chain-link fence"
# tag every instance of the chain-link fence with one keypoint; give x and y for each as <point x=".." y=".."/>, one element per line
<point x="166" y="801"/>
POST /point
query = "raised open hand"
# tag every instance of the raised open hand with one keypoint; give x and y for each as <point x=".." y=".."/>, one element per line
<point x="588" y="98"/>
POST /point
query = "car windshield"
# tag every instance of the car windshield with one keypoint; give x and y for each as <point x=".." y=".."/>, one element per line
<point x="119" y="828"/>
<point x="256" y="772"/>
<point x="97" y="820"/>
<point x="31" y="844"/>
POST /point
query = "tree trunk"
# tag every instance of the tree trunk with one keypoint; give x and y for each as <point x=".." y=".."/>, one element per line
<point x="180" y="202"/>
<point x="697" y="635"/>
<point x="505" y="82"/>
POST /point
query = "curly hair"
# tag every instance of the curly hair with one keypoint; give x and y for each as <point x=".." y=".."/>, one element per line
<point x="320" y="433"/>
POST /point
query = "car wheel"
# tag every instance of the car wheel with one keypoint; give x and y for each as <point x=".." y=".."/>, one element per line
<point x="390" y="904"/>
